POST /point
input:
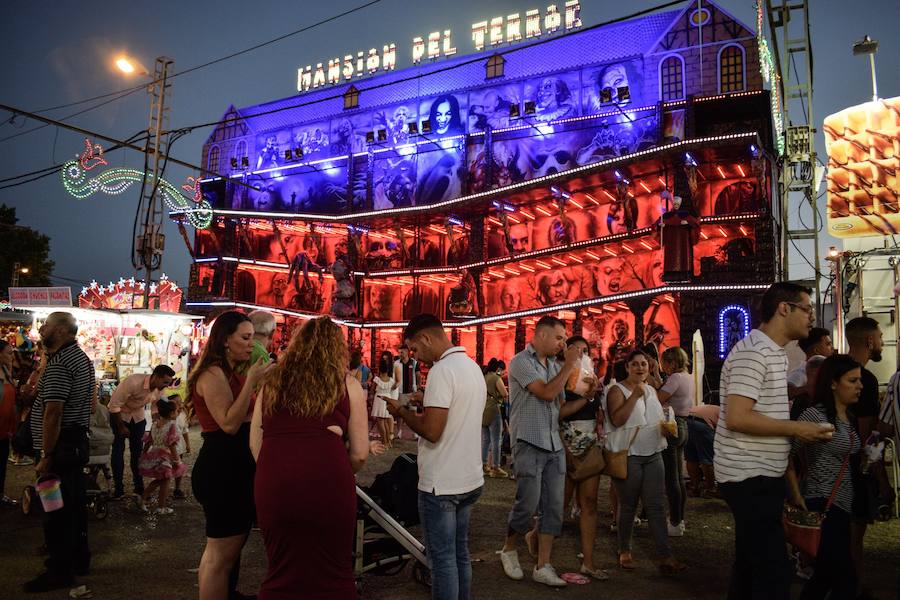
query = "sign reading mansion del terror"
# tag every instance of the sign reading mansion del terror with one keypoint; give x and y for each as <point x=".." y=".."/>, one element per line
<point x="496" y="31"/>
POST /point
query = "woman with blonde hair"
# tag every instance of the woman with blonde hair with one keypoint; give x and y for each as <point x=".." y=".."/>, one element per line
<point x="309" y="404"/>
<point x="677" y="395"/>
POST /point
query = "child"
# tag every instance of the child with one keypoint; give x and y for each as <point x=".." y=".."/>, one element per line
<point x="385" y="387"/>
<point x="160" y="459"/>
<point x="184" y="443"/>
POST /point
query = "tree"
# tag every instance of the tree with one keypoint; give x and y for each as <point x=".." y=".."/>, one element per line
<point x="23" y="245"/>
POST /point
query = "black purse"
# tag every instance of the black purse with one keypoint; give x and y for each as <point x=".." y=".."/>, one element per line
<point x="22" y="442"/>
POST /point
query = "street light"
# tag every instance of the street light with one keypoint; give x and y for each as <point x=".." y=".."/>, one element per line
<point x="868" y="46"/>
<point x="149" y="242"/>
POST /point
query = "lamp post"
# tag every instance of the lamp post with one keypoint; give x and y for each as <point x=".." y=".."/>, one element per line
<point x="150" y="242"/>
<point x="868" y="46"/>
<point x="18" y="269"/>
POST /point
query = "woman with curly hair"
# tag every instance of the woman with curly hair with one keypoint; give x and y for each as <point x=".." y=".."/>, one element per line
<point x="309" y="404"/>
<point x="222" y="478"/>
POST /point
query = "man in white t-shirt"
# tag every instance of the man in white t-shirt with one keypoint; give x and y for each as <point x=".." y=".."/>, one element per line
<point x="817" y="343"/>
<point x="753" y="441"/>
<point x="450" y="474"/>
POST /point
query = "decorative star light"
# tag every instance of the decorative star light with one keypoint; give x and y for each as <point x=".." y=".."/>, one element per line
<point x="163" y="277"/>
<point x="141" y="285"/>
<point x="121" y="282"/>
<point x="84" y="291"/>
<point x="131" y="281"/>
<point x="93" y="284"/>
<point x="152" y="288"/>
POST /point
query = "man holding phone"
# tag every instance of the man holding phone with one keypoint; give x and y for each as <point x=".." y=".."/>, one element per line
<point x="450" y="476"/>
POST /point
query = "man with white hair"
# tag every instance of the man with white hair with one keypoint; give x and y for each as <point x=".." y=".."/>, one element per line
<point x="263" y="332"/>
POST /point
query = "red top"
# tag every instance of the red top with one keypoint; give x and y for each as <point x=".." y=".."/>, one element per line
<point x="8" y="412"/>
<point x="207" y="422"/>
<point x="282" y="422"/>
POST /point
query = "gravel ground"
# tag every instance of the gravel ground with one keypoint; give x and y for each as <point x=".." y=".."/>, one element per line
<point x="141" y="556"/>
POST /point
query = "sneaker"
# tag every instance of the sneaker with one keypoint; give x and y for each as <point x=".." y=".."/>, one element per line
<point x="486" y="470"/>
<point x="805" y="573"/>
<point x="8" y="502"/>
<point x="23" y="461"/>
<point x="46" y="582"/>
<point x="164" y="510"/>
<point x="675" y="530"/>
<point x="510" y="562"/>
<point x="547" y="575"/>
<point x="498" y="472"/>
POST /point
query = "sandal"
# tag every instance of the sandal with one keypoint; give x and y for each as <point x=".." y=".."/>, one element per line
<point x="626" y="561"/>
<point x="598" y="574"/>
<point x="671" y="567"/>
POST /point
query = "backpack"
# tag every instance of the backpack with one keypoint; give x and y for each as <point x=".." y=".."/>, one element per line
<point x="396" y="490"/>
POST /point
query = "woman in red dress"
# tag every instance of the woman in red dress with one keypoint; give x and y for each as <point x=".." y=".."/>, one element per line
<point x="305" y="490"/>
<point x="222" y="479"/>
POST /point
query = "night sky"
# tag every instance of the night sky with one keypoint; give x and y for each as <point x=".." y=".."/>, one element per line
<point x="62" y="52"/>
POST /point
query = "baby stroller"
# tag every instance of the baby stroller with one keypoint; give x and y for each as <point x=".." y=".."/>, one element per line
<point x="383" y="545"/>
<point x="99" y="461"/>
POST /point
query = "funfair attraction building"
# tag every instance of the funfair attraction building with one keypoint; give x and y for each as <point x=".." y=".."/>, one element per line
<point x="618" y="176"/>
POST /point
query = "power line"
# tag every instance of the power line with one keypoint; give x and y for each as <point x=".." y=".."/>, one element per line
<point x="75" y="114"/>
<point x="128" y="91"/>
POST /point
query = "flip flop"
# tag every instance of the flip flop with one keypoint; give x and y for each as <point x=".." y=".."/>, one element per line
<point x="575" y="578"/>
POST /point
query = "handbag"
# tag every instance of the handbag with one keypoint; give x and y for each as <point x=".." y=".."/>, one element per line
<point x="22" y="442"/>
<point x="803" y="528"/>
<point x="617" y="461"/>
<point x="589" y="464"/>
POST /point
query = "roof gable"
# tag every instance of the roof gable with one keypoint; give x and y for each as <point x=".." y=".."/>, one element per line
<point x="722" y="26"/>
<point x="233" y="124"/>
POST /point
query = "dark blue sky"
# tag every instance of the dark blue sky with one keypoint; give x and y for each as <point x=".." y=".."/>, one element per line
<point x="62" y="52"/>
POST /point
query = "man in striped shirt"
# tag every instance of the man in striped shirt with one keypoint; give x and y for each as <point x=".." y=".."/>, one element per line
<point x="753" y="442"/>
<point x="60" y="418"/>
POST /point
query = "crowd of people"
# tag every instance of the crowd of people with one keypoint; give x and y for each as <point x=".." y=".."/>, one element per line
<point x="546" y="420"/>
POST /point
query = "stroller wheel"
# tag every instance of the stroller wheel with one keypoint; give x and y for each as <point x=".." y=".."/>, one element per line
<point x="101" y="509"/>
<point x="421" y="574"/>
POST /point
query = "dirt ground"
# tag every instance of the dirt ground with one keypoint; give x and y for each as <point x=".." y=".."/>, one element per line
<point x="141" y="556"/>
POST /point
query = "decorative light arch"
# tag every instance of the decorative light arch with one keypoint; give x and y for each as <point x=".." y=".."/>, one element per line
<point x="744" y="320"/>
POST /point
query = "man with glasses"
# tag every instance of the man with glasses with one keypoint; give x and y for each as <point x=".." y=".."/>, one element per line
<point x="753" y="442"/>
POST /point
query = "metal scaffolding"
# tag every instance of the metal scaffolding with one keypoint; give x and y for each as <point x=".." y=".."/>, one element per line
<point x="798" y="173"/>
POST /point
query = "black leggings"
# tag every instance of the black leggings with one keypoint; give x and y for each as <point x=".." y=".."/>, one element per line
<point x="834" y="568"/>
<point x="673" y="458"/>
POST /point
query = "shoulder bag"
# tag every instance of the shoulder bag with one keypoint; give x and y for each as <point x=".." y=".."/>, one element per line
<point x="803" y="528"/>
<point x="617" y="461"/>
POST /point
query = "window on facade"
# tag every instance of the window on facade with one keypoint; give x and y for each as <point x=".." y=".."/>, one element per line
<point x="240" y="151"/>
<point x="494" y="67"/>
<point x="731" y="70"/>
<point x="351" y="98"/>
<point x="671" y="79"/>
<point x="213" y="163"/>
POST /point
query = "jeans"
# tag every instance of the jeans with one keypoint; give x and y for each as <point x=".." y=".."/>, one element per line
<point x="117" y="458"/>
<point x="673" y="459"/>
<point x="445" y="525"/>
<point x="761" y="568"/>
<point x="834" y="568"/>
<point x="490" y="440"/>
<point x="645" y="482"/>
<point x="540" y="486"/>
